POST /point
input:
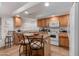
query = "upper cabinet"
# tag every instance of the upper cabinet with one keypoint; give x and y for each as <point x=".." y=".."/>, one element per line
<point x="43" y="22"/>
<point x="63" y="20"/>
<point x="17" y="21"/>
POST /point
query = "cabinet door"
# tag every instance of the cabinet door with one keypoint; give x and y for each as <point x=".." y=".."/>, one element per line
<point x="61" y="41"/>
<point x="63" y="20"/>
<point x="42" y="23"/>
<point x="46" y="23"/>
<point x="17" y="21"/>
<point x="64" y="41"/>
<point x="38" y="23"/>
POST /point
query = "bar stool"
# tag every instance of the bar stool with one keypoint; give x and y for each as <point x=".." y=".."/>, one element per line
<point x="37" y="46"/>
<point x="8" y="41"/>
<point x="23" y="49"/>
<point x="23" y="46"/>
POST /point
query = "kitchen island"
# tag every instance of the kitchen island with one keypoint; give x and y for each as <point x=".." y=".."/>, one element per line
<point x="46" y="42"/>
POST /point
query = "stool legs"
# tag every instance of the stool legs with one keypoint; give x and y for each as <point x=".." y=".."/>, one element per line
<point x="7" y="41"/>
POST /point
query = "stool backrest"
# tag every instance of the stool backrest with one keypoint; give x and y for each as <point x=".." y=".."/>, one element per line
<point x="21" y="37"/>
<point x="36" y="42"/>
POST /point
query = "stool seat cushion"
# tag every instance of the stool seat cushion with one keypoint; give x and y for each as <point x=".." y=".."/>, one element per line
<point x="36" y="45"/>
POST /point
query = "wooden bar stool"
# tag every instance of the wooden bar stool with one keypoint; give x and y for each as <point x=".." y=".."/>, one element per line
<point x="36" y="46"/>
<point x="23" y="46"/>
<point x="8" y="41"/>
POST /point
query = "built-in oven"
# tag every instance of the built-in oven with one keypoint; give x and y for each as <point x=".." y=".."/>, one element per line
<point x="54" y="40"/>
<point x="54" y="37"/>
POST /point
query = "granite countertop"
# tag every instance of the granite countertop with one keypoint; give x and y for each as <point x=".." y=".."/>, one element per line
<point x="45" y="35"/>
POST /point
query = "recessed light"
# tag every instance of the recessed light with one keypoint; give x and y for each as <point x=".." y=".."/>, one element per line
<point x="26" y="12"/>
<point x="46" y="4"/>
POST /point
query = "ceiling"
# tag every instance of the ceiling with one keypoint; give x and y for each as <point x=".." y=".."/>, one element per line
<point x="55" y="8"/>
<point x="6" y="8"/>
<point x="35" y="9"/>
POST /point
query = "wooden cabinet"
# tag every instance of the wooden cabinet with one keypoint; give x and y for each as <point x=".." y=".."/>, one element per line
<point x="38" y="23"/>
<point x="63" y="41"/>
<point x="17" y="21"/>
<point x="42" y="22"/>
<point x="63" y="20"/>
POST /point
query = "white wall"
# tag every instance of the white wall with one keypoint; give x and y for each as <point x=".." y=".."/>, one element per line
<point x="7" y="24"/>
<point x="3" y="31"/>
<point x="29" y="24"/>
<point x="74" y="30"/>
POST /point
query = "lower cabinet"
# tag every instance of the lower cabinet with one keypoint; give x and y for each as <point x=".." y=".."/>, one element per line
<point x="64" y="41"/>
